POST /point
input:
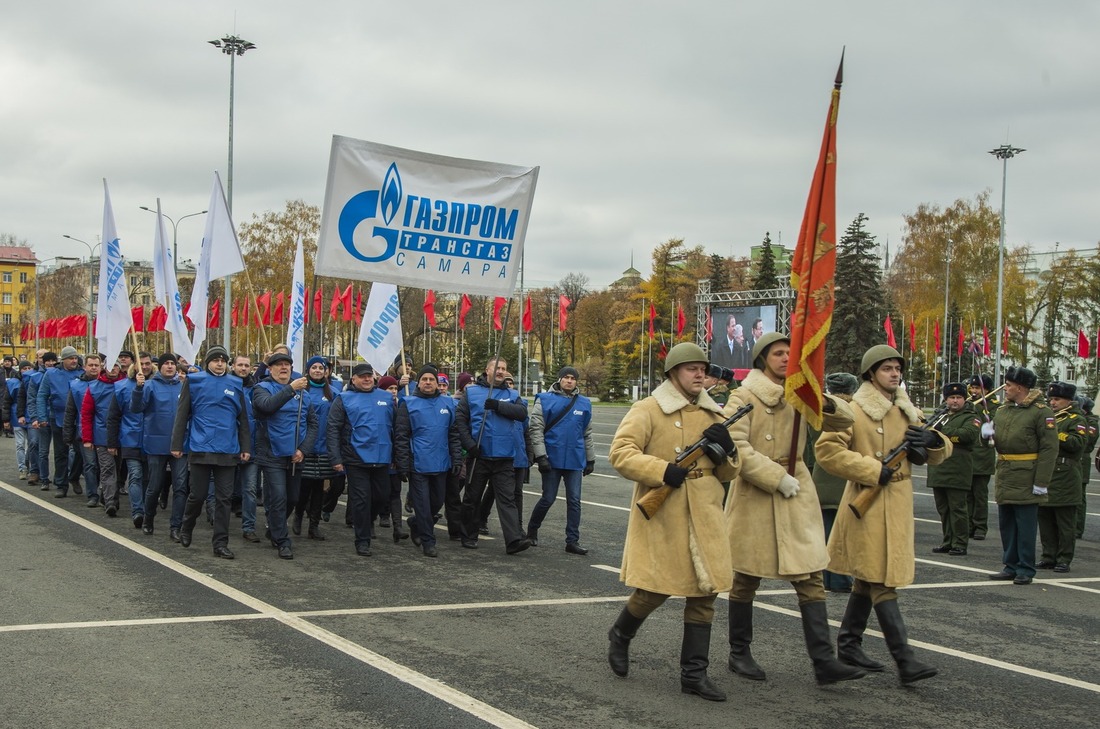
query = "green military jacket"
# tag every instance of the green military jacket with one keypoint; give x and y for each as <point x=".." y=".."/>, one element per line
<point x="983" y="457"/>
<point x="1073" y="435"/>
<point x="1086" y="456"/>
<point x="1027" y="447"/>
<point x="963" y="430"/>
<point x="720" y="394"/>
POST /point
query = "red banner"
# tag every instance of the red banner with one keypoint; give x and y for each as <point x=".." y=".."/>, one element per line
<point x="345" y="301"/>
<point x="528" y="322"/>
<point x="138" y="316"/>
<point x="429" y="307"/>
<point x="263" y="308"/>
<point x="498" y="304"/>
<point x="1082" y="344"/>
<point x="463" y="310"/>
<point x="563" y="311"/>
<point x="708" y="327"/>
<point x="985" y="341"/>
<point x="912" y="335"/>
<point x="277" y="314"/>
<point x="681" y="320"/>
<point x="214" y="316"/>
<point x="936" y="337"/>
<point x="652" y="317"/>
<point x="889" y="327"/>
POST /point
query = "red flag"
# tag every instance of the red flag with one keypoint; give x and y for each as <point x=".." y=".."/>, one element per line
<point x="138" y="316"/>
<point x="334" y="307"/>
<point x="263" y="308"/>
<point x="233" y="314"/>
<point x="527" y="318"/>
<point x="498" y="304"/>
<point x="936" y="337"/>
<point x="463" y="310"/>
<point x="359" y="306"/>
<point x="708" y="327"/>
<point x="652" y="316"/>
<point x="246" y="320"/>
<point x="277" y="315"/>
<point x="345" y="301"/>
<point x="889" y="327"/>
<point x="157" y="319"/>
<point x="308" y="304"/>
<point x="318" y="302"/>
<point x="80" y="328"/>
<point x="23" y="333"/>
<point x="214" y="316"/>
<point x="563" y="307"/>
<point x="1004" y="348"/>
<point x="912" y="335"/>
<point x="186" y="319"/>
<point x="663" y="353"/>
<point x="429" y="307"/>
<point x="985" y="341"/>
<point x="812" y="270"/>
<point x="1082" y="344"/>
<point x="959" y="343"/>
<point x="681" y="320"/>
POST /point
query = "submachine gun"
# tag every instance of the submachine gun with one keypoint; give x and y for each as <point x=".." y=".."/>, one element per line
<point x="651" y="502"/>
<point x="892" y="460"/>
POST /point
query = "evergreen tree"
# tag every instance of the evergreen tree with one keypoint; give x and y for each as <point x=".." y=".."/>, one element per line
<point x="918" y="381"/>
<point x="551" y="375"/>
<point x="766" y="276"/>
<point x="719" y="274"/>
<point x="860" y="305"/>
<point x="616" y="384"/>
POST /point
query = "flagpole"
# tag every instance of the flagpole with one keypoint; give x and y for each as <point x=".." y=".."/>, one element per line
<point x="641" y="354"/>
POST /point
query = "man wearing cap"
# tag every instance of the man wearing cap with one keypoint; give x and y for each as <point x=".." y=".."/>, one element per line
<point x="53" y="394"/>
<point x="157" y="400"/>
<point x="1058" y="516"/>
<point x="94" y="412"/>
<point x="683" y="548"/>
<point x="72" y="428"/>
<point x="773" y="516"/>
<point x="983" y="457"/>
<point x="211" y="424"/>
<point x="360" y="444"/>
<point x="1086" y="404"/>
<point x="1026" y="434"/>
<point x="878" y="550"/>
<point x="561" y="440"/>
<point x="286" y="426"/>
<point x="951" y="481"/>
<point x="486" y="420"/>
<point x="39" y="469"/>
<point x="717" y="383"/>
<point x="15" y="386"/>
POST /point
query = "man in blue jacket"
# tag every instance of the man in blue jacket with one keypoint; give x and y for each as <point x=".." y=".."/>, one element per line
<point x="124" y="432"/>
<point x="53" y="394"/>
<point x="425" y="421"/>
<point x="360" y="443"/>
<point x="486" y="426"/>
<point x="38" y="467"/>
<point x="157" y="400"/>
<point x="561" y="438"/>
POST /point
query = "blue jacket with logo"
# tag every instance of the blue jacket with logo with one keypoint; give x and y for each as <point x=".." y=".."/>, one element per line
<point x="498" y="439"/>
<point x="568" y="443"/>
<point x="53" y="394"/>
<point x="286" y="422"/>
<point x="423" y="424"/>
<point x="211" y="417"/>
<point x="157" y="400"/>
<point x="124" y="425"/>
<point x="360" y="427"/>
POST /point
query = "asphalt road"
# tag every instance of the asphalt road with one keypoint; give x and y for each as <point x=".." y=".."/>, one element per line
<point x="101" y="626"/>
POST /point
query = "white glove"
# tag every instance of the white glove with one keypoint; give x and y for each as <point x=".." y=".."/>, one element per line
<point x="987" y="429"/>
<point x="788" y="485"/>
<point x="1039" y="490"/>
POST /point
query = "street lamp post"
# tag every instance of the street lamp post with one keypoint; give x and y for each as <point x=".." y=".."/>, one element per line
<point x="946" y="290"/>
<point x="1004" y="153"/>
<point x="91" y="286"/>
<point x="231" y="46"/>
<point x="175" y="225"/>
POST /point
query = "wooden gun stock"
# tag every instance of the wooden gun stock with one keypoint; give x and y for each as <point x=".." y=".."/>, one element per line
<point x="655" y="497"/>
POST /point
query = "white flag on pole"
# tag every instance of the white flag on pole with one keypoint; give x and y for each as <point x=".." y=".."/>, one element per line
<point x="113" y="312"/>
<point x="296" y="322"/>
<point x="170" y="295"/>
<point x="380" y="337"/>
<point x="220" y="257"/>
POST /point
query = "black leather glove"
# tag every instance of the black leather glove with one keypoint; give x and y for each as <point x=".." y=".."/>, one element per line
<point x="473" y="451"/>
<point x="589" y="467"/>
<point x="885" y="476"/>
<point x="716" y="433"/>
<point x="492" y="404"/>
<point x="674" y="475"/>
<point x="456" y="469"/>
<point x="544" y="464"/>
<point x="922" y="438"/>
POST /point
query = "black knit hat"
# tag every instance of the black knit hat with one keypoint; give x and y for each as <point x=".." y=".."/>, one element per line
<point x="567" y="370"/>
<point x="167" y="357"/>
<point x="428" y="370"/>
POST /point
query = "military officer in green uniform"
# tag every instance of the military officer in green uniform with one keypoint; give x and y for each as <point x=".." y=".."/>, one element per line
<point x="951" y="481"/>
<point x="1058" y="516"/>
<point x="1093" y="421"/>
<point x="983" y="458"/>
<point x="1027" y="447"/>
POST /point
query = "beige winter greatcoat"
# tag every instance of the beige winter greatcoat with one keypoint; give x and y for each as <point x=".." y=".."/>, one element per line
<point x="771" y="535"/>
<point x="682" y="549"/>
<point x="879" y="547"/>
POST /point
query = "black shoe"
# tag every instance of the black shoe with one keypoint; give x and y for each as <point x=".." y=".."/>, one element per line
<point x="384" y="522"/>
<point x="326" y="515"/>
<point x="408" y="505"/>
<point x="1003" y="576"/>
<point x="741" y="661"/>
<point x="533" y="535"/>
<point x="1061" y="567"/>
<point x="518" y="546"/>
<point x="315" y="532"/>
<point x="286" y="553"/>
<point x="363" y="550"/>
<point x="251" y="537"/>
<point x="185" y="538"/>
<point x="112" y="510"/>
<point x="174" y="535"/>
<point x="296" y="525"/>
<point x="45" y="486"/>
<point x="469" y="543"/>
<point x="1021" y="580"/>
<point x="978" y="537"/>
<point x="147" y="526"/>
<point x="398" y="532"/>
<point x="957" y="552"/>
<point x="138" y="520"/>
<point x="223" y="552"/>
<point x="268" y="537"/>
<point x="76" y="487"/>
<point x="430" y="550"/>
<point x="572" y="548"/>
<point x="93" y="502"/>
<point x="483" y="530"/>
<point x="61" y="494"/>
<point x="941" y="550"/>
<point x="1046" y="564"/>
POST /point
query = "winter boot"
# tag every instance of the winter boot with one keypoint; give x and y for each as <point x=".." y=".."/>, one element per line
<point x="893" y="629"/>
<point x="694" y="659"/>
<point x="315" y="530"/>
<point x="296" y="525"/>
<point x="815" y="626"/>
<point x="849" y="640"/>
<point x="620" y="635"/>
<point x="741" y="661"/>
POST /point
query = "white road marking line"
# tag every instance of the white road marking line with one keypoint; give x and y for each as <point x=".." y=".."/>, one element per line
<point x="28" y="627"/>
<point x="589" y="503"/>
<point x="438" y="689"/>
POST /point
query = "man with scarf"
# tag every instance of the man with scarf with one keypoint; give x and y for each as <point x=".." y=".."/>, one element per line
<point x="94" y="411"/>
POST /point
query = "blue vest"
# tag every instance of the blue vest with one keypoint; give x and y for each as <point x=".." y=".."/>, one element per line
<point x="370" y="415"/>
<point x="32" y="381"/>
<point x="77" y="388"/>
<point x="430" y="419"/>
<point x="215" y="405"/>
<point x="315" y="396"/>
<point x="286" y="428"/>
<point x="251" y="419"/>
<point x="498" y="440"/>
<point x="565" y="441"/>
<point x="521" y="460"/>
<point x="160" y="399"/>
<point x="59" y="379"/>
<point x="14" y="383"/>
<point x="102" y="392"/>
<point x="131" y="423"/>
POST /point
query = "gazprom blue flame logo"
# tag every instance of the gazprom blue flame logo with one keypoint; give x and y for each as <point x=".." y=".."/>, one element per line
<point x="364" y="206"/>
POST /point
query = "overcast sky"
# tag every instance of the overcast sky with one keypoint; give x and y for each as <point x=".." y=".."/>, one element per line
<point x="650" y="120"/>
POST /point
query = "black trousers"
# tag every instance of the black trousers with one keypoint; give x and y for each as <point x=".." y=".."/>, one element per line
<point x="499" y="474"/>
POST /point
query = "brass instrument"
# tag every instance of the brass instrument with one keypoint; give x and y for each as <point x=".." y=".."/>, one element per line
<point x="984" y="395"/>
<point x="1062" y="414"/>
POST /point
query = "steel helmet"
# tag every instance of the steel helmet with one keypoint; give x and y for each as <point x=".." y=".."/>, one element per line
<point x="760" y="349"/>
<point x="684" y="352"/>
<point x="877" y="354"/>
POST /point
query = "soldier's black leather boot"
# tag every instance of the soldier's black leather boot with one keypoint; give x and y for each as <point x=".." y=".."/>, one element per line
<point x="741" y="661"/>
<point x="694" y="659"/>
<point x="620" y="635"/>
<point x="815" y="626"/>
<point x="893" y="629"/>
<point x="849" y="640"/>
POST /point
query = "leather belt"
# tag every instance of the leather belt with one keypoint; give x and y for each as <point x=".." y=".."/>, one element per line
<point x="784" y="460"/>
<point x="699" y="472"/>
<point x="1017" y="456"/>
